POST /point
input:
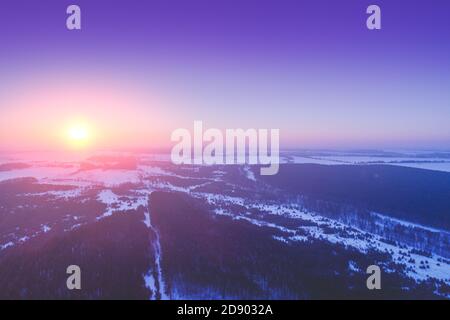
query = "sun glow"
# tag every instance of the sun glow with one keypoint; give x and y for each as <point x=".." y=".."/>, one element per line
<point x="78" y="135"/>
<point x="101" y="114"/>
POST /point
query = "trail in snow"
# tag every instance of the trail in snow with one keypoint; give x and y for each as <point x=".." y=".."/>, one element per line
<point x="156" y="285"/>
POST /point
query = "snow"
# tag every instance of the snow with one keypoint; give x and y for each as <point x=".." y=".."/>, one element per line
<point x="352" y="266"/>
<point x="37" y="172"/>
<point x="280" y="239"/>
<point x="108" y="178"/>
<point x="444" y="166"/>
<point x="171" y="187"/>
<point x="61" y="194"/>
<point x="354" y="238"/>
<point x="310" y="160"/>
<point x="45" y="228"/>
<point x="155" y="285"/>
<point x="150" y="283"/>
<point x="249" y="173"/>
<point x="107" y="197"/>
<point x="114" y="203"/>
<point x="298" y="238"/>
<point x="213" y="198"/>
<point x="153" y="171"/>
<point x="75" y="226"/>
<point x="317" y="228"/>
<point x="147" y="219"/>
<point x="408" y="224"/>
<point x="419" y="161"/>
<point x="6" y="245"/>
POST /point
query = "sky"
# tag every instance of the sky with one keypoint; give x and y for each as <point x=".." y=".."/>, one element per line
<point x="138" y="70"/>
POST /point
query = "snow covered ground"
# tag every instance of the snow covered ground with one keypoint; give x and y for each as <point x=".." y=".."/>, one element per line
<point x="438" y="161"/>
<point x="151" y="176"/>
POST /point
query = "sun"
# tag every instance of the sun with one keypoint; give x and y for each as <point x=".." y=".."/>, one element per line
<point x="78" y="135"/>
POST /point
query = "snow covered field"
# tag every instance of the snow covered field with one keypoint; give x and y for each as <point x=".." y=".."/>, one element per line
<point x="438" y="161"/>
<point x="121" y="185"/>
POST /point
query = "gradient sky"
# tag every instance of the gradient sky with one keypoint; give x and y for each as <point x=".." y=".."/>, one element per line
<point x="140" y="69"/>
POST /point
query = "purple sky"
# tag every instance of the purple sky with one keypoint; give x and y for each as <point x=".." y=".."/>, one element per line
<point x="310" y="68"/>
